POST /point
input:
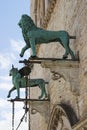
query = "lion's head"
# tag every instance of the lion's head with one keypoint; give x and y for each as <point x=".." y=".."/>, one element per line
<point x="26" y="23"/>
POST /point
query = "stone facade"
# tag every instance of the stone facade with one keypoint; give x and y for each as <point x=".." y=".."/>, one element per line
<point x="67" y="79"/>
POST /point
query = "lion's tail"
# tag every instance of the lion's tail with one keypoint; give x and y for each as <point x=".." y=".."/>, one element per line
<point x="72" y="37"/>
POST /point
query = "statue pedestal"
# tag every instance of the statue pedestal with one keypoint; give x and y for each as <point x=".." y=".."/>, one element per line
<point x="67" y="69"/>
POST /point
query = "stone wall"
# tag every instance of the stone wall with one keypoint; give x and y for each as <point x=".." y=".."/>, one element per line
<point x="69" y="15"/>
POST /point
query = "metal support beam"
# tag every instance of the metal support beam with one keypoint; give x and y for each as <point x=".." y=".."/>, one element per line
<point x="31" y="100"/>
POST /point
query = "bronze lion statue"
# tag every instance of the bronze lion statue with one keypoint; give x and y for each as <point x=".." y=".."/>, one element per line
<point x="34" y="35"/>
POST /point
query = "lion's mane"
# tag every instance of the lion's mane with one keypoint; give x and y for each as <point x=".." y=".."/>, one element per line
<point x="27" y="23"/>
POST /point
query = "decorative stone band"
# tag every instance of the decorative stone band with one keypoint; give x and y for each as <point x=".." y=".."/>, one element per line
<point x="48" y="13"/>
<point x="47" y="17"/>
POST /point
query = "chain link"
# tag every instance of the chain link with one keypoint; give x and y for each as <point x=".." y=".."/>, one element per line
<point x="29" y="108"/>
<point x="13" y="115"/>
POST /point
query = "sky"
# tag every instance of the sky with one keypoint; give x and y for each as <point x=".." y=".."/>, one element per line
<point x="11" y="43"/>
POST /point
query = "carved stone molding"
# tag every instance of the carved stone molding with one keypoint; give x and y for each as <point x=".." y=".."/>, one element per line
<point x="48" y="13"/>
<point x="42" y="107"/>
<point x="67" y="69"/>
<point x="60" y="119"/>
<point x="42" y="14"/>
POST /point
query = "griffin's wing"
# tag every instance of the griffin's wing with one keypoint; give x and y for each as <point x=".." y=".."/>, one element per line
<point x="24" y="71"/>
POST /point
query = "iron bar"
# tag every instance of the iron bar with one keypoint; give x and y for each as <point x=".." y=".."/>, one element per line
<point x="39" y="60"/>
<point x="22" y="100"/>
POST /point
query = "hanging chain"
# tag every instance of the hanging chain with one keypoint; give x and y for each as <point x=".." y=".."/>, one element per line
<point x="29" y="107"/>
<point x="26" y="108"/>
<point x="21" y="121"/>
<point x="13" y="115"/>
<point x="26" y="95"/>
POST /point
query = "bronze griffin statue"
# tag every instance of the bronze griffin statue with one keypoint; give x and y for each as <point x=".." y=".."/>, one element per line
<point x="19" y="81"/>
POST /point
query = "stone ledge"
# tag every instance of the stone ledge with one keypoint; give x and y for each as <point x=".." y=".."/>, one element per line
<point x="60" y="63"/>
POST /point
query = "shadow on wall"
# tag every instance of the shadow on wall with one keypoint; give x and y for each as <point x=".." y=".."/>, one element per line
<point x="70" y="113"/>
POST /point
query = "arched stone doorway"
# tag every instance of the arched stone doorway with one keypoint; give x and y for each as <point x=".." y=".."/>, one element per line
<point x="62" y="118"/>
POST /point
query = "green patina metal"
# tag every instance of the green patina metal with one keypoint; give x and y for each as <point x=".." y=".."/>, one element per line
<point x="34" y="35"/>
<point x="20" y="82"/>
